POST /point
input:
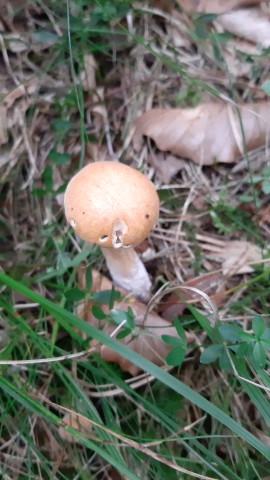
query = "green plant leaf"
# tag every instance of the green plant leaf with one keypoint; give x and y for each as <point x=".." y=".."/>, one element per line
<point x="212" y="332"/>
<point x="246" y="337"/>
<point x="265" y="337"/>
<point x="47" y="178"/>
<point x="266" y="334"/>
<point x="266" y="187"/>
<point x="59" y="158"/>
<point x="104" y="296"/>
<point x="64" y="262"/>
<point x="255" y="179"/>
<point x="212" y="353"/>
<point x="259" y="354"/>
<point x="174" y="341"/>
<point x="118" y="316"/>
<point x="176" y="356"/>
<point x="61" y="125"/>
<point x="115" y="295"/>
<point x="230" y="332"/>
<point x="266" y="171"/>
<point x="74" y="294"/>
<point x="258" y="325"/>
<point x="224" y="361"/>
<point x="124" y="333"/>
<point x="179" y="328"/>
<point x="206" y="17"/>
<point x="266" y="87"/>
<point x="241" y="350"/>
<point x="98" y="312"/>
<point x="88" y="278"/>
<point x="255" y="394"/>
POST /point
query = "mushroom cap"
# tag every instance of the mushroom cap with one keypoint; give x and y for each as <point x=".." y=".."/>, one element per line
<point x="111" y="204"/>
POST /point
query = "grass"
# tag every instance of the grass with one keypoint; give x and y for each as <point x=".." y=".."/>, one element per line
<point x="209" y="417"/>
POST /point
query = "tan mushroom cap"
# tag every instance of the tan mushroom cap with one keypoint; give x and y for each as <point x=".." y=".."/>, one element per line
<point x="111" y="204"/>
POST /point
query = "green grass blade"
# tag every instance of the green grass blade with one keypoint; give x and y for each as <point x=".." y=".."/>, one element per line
<point x="173" y="383"/>
<point x="37" y="408"/>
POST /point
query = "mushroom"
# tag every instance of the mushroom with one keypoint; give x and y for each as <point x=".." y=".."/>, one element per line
<point x="114" y="206"/>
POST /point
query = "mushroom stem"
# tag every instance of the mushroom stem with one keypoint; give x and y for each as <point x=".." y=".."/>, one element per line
<point x="128" y="271"/>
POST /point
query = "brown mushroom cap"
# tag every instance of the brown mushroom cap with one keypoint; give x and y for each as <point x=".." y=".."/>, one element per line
<point x="111" y="204"/>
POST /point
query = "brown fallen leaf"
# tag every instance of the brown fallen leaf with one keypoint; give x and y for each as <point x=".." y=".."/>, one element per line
<point x="249" y="23"/>
<point x="166" y="165"/>
<point x="214" y="6"/>
<point x="175" y="303"/>
<point x="264" y="215"/>
<point x="88" y="76"/>
<point x="146" y="338"/>
<point x="206" y="134"/>
<point x="237" y="64"/>
<point x="265" y="439"/>
<point x="16" y="42"/>
<point x="3" y="125"/>
<point x="178" y="39"/>
<point x="78" y="422"/>
<point x="236" y="256"/>
<point x="161" y="4"/>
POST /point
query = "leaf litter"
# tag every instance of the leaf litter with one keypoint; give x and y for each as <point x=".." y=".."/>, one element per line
<point x="216" y="6"/>
<point x="207" y="134"/>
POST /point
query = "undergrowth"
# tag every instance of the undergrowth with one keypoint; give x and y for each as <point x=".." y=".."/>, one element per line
<point x="206" y="414"/>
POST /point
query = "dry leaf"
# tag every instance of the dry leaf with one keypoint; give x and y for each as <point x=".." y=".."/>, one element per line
<point x="206" y="134"/>
<point x="250" y="23"/>
<point x="16" y="42"/>
<point x="213" y="284"/>
<point x="97" y="153"/>
<point x="237" y="255"/>
<point x="3" y="125"/>
<point x="264" y="215"/>
<point x="214" y="6"/>
<point x="161" y="4"/>
<point x="47" y="442"/>
<point x="239" y="45"/>
<point x="166" y="166"/>
<point x="177" y="31"/>
<point x="99" y="109"/>
<point x="179" y="40"/>
<point x="145" y="340"/>
<point x="13" y="95"/>
<point x="78" y="423"/>
<point x="237" y="65"/>
<point x="88" y="76"/>
<point x="266" y="440"/>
